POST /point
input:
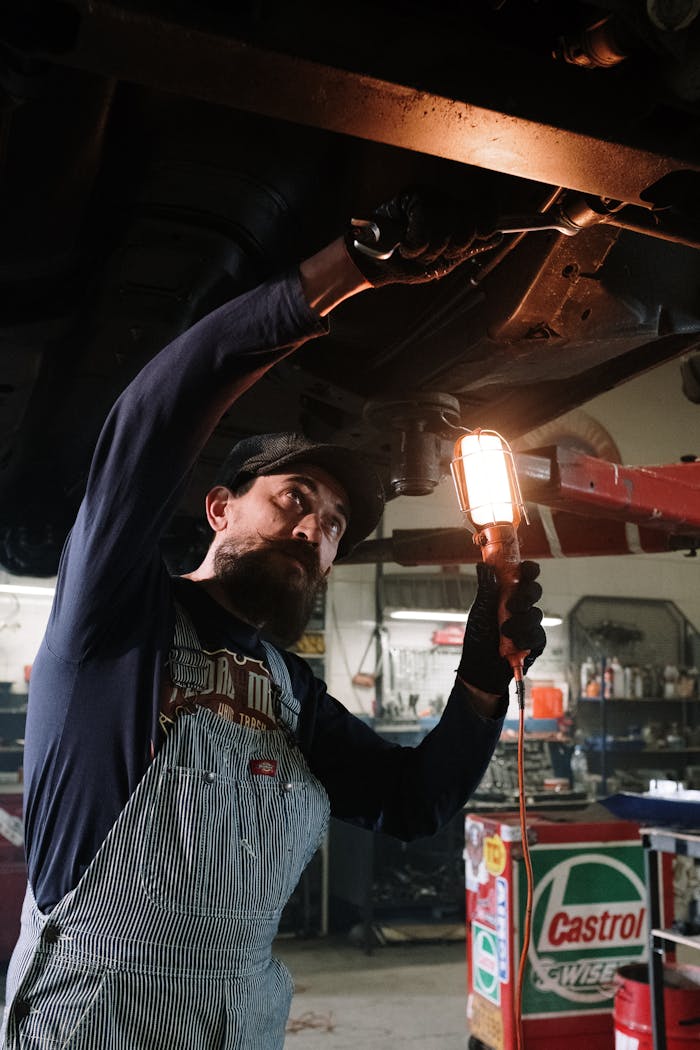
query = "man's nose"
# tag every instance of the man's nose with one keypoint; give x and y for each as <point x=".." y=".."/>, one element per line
<point x="309" y="529"/>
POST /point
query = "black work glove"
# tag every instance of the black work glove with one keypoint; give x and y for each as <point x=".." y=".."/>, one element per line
<point x="481" y="665"/>
<point x="426" y="233"/>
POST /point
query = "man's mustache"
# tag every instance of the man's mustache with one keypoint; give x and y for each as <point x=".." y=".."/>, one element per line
<point x="301" y="551"/>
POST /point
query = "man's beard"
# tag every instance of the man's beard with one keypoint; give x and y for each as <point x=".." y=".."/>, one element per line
<point x="276" y="597"/>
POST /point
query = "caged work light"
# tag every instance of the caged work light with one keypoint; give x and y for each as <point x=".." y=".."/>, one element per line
<point x="483" y="471"/>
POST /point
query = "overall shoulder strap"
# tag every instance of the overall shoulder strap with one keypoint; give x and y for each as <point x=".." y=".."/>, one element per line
<point x="187" y="663"/>
<point x="289" y="705"/>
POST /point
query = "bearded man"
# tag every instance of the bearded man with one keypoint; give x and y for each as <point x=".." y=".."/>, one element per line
<point x="180" y="765"/>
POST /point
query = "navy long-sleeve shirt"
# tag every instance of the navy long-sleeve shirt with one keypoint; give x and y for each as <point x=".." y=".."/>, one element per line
<point x="98" y="679"/>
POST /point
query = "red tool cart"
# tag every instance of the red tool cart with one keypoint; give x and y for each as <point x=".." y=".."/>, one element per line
<point x="588" y="919"/>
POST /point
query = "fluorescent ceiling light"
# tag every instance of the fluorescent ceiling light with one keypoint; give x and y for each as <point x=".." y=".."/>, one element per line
<point x="435" y="616"/>
<point x="11" y="588"/>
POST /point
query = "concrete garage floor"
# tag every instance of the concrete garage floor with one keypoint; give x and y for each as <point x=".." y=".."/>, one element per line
<point x="398" y="997"/>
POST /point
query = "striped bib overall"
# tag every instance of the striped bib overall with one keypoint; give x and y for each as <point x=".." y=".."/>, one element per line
<point x="166" y="940"/>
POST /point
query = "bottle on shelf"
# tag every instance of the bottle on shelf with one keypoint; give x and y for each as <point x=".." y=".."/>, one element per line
<point x="579" y="769"/>
<point x="649" y="686"/>
<point x="588" y="670"/>
<point x="687" y="681"/>
<point x="618" y="678"/>
<point x="670" y="679"/>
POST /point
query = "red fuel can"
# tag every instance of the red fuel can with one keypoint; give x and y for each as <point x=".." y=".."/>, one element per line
<point x="632" y="1014"/>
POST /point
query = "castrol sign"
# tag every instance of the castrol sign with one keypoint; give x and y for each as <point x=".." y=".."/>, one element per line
<point x="589" y="918"/>
<point x="588" y="921"/>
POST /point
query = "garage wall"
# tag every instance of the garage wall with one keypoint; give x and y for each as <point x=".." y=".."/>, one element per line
<point x="652" y="423"/>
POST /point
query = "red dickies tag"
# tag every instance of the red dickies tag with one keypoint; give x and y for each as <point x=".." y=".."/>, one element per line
<point x="263" y="767"/>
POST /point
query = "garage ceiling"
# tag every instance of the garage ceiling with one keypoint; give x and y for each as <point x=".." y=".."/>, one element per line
<point x="158" y="158"/>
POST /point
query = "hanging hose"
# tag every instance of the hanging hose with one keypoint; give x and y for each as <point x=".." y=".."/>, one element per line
<point x="500" y="549"/>
<point x="527" y="926"/>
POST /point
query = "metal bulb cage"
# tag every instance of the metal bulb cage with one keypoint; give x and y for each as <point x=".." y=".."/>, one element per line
<point x="484" y="475"/>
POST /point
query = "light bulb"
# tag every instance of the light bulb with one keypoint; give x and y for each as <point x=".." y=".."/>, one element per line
<point x="489" y="495"/>
<point x="484" y="475"/>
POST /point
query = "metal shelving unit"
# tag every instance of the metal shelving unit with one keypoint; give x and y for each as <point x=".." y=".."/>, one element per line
<point x="647" y="634"/>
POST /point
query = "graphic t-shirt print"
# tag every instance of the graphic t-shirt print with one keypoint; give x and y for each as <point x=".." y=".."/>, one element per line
<point x="238" y="688"/>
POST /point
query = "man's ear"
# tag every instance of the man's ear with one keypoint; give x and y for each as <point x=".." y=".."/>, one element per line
<point x="217" y="507"/>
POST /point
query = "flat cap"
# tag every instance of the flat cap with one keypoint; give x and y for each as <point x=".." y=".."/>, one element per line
<point x="264" y="454"/>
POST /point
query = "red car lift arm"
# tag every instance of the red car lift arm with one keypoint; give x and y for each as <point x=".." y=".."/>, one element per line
<point x="579" y="506"/>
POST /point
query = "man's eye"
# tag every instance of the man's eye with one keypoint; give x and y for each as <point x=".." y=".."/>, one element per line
<point x="335" y="527"/>
<point x="296" y="496"/>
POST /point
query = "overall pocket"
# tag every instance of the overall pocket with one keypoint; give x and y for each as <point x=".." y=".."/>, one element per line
<point x="192" y="841"/>
<point x="274" y="829"/>
<point x="222" y="847"/>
